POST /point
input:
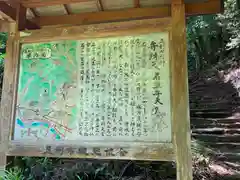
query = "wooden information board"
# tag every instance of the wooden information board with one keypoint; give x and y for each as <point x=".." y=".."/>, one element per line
<point x="111" y="89"/>
<point x="103" y="92"/>
<point x="107" y="91"/>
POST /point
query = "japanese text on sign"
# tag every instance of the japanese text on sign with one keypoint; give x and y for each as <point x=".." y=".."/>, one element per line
<point x="103" y="89"/>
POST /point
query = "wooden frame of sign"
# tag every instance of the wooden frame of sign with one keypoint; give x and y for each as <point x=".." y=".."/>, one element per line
<point x="178" y="149"/>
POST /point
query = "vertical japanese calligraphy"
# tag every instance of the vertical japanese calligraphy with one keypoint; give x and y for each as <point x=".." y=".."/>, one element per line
<point x="126" y="86"/>
<point x="107" y="89"/>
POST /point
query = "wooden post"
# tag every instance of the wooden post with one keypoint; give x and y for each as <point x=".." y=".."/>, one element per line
<point x="8" y="93"/>
<point x="180" y="102"/>
<point x="4" y="26"/>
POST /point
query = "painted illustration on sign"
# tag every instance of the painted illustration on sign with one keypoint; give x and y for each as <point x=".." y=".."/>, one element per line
<point x="46" y="105"/>
<point x="114" y="89"/>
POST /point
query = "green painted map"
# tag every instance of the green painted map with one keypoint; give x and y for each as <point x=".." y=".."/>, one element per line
<point x="47" y="85"/>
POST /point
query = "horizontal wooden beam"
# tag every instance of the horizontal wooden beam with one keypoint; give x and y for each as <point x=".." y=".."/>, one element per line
<point x="135" y="151"/>
<point x="100" y="30"/>
<point x="205" y="7"/>
<point x="208" y="7"/>
<point x="12" y="13"/>
<point x="41" y="3"/>
<point x="103" y="16"/>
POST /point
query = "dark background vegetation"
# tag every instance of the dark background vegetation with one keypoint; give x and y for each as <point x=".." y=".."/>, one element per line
<point x="213" y="51"/>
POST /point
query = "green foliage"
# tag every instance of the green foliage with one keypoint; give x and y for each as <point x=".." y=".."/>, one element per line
<point x="213" y="40"/>
<point x="204" y="46"/>
<point x="230" y="21"/>
<point x="3" y="40"/>
<point x="13" y="174"/>
<point x="30" y="168"/>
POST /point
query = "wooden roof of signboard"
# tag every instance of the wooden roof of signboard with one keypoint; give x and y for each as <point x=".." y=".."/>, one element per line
<point x="65" y="12"/>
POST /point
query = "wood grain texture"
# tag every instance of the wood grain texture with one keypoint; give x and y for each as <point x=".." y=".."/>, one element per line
<point x="9" y="84"/>
<point x="208" y="7"/>
<point x="100" y="150"/>
<point x="21" y="17"/>
<point x="8" y="10"/>
<point x="180" y="102"/>
<point x="97" y="30"/>
<point x="4" y="26"/>
<point x="103" y="16"/>
<point x="205" y="7"/>
<point x="40" y="3"/>
<point x="12" y="13"/>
